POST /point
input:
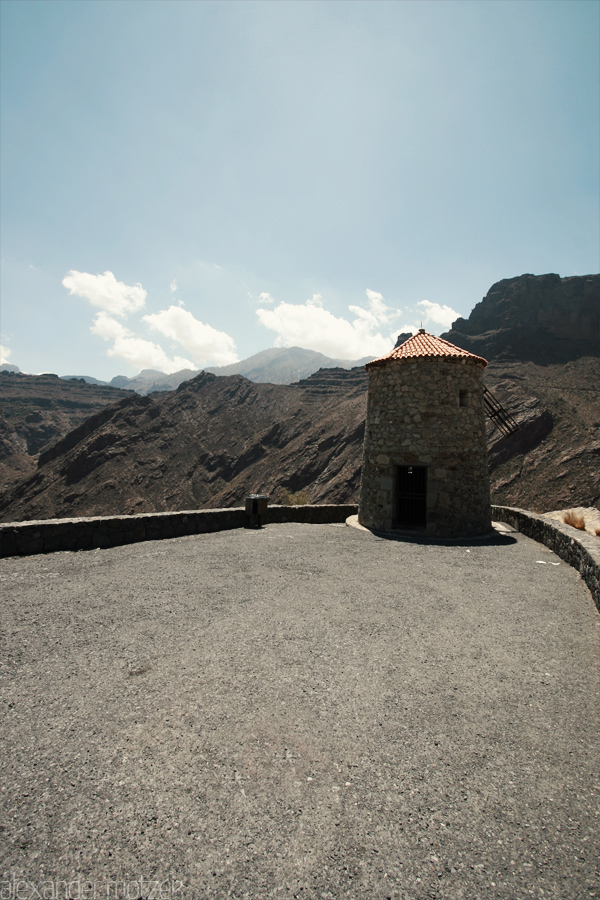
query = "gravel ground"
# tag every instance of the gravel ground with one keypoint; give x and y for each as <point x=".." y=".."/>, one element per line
<point x="304" y="711"/>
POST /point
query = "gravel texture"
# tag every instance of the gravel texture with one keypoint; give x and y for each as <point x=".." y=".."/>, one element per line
<point x="305" y="711"/>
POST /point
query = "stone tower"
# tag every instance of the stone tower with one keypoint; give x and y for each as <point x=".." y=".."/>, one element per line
<point x="425" y="464"/>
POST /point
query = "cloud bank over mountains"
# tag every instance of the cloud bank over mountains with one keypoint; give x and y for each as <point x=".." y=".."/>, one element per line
<point x="140" y="353"/>
<point x="312" y="326"/>
<point x="203" y="342"/>
<point x="372" y="330"/>
<point x="368" y="330"/>
<point x="205" y="345"/>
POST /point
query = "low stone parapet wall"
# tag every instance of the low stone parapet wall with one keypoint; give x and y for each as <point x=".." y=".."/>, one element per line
<point x="323" y="514"/>
<point x="47" y="536"/>
<point x="577" y="548"/>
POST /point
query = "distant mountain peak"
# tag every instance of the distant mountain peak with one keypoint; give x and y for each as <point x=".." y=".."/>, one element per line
<point x="275" y="365"/>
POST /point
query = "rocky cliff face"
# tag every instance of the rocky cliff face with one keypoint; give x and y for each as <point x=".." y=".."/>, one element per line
<point x="544" y="319"/>
<point x="37" y="410"/>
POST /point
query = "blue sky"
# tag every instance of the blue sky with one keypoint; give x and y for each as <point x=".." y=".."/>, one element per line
<point x="186" y="183"/>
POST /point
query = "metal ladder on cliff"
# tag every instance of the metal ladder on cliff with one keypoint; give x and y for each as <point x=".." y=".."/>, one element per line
<point x="499" y="416"/>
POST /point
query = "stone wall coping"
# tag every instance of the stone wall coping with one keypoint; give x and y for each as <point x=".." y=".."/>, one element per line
<point x="577" y="548"/>
<point x="92" y="532"/>
<point x="117" y="517"/>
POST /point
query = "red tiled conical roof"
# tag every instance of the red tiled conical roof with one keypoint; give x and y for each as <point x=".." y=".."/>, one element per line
<point x="424" y="344"/>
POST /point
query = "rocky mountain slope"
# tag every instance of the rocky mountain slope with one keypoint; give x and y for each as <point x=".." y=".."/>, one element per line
<point x="36" y="410"/>
<point x="283" y="365"/>
<point x="553" y="461"/>
<point x="207" y="444"/>
<point x="215" y="439"/>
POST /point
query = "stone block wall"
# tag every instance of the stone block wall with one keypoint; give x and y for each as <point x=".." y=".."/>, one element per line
<point x="415" y="417"/>
<point x="26" y="538"/>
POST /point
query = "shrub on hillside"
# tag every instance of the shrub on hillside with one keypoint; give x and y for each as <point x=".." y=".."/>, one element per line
<point x="574" y="519"/>
<point x="289" y="498"/>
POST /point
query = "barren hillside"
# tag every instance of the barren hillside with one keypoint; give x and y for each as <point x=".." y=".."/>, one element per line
<point x="205" y="445"/>
<point x="215" y="439"/>
<point x="37" y="410"/>
<point x="554" y="460"/>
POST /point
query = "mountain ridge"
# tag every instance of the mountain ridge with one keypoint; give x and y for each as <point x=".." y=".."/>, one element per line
<point x="274" y="365"/>
<point x="217" y="437"/>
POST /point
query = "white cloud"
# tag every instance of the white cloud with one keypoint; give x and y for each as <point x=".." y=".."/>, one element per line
<point x="108" y="328"/>
<point x="136" y="351"/>
<point x="204" y="343"/>
<point x="106" y="292"/>
<point x="144" y="354"/>
<point x="311" y="326"/>
<point x="378" y="309"/>
<point x="438" y="313"/>
<point x="378" y="312"/>
<point x="4" y="354"/>
<point x="265" y="298"/>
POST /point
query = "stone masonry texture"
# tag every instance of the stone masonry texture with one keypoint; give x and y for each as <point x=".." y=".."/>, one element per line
<point x="415" y="417"/>
<point x="88" y="533"/>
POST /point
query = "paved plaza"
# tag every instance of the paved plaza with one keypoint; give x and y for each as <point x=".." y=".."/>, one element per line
<point x="304" y="711"/>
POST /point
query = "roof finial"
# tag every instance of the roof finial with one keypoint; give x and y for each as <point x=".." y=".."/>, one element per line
<point x="421" y="329"/>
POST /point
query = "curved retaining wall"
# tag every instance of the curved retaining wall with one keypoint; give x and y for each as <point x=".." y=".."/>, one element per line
<point x="26" y="538"/>
<point x="577" y="548"/>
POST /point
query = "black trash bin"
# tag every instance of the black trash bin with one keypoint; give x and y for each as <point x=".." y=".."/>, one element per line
<point x="256" y="508"/>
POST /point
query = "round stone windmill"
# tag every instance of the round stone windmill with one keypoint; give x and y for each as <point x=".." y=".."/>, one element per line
<point x="425" y="465"/>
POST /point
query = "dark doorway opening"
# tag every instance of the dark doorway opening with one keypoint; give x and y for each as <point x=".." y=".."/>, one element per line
<point x="411" y="497"/>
